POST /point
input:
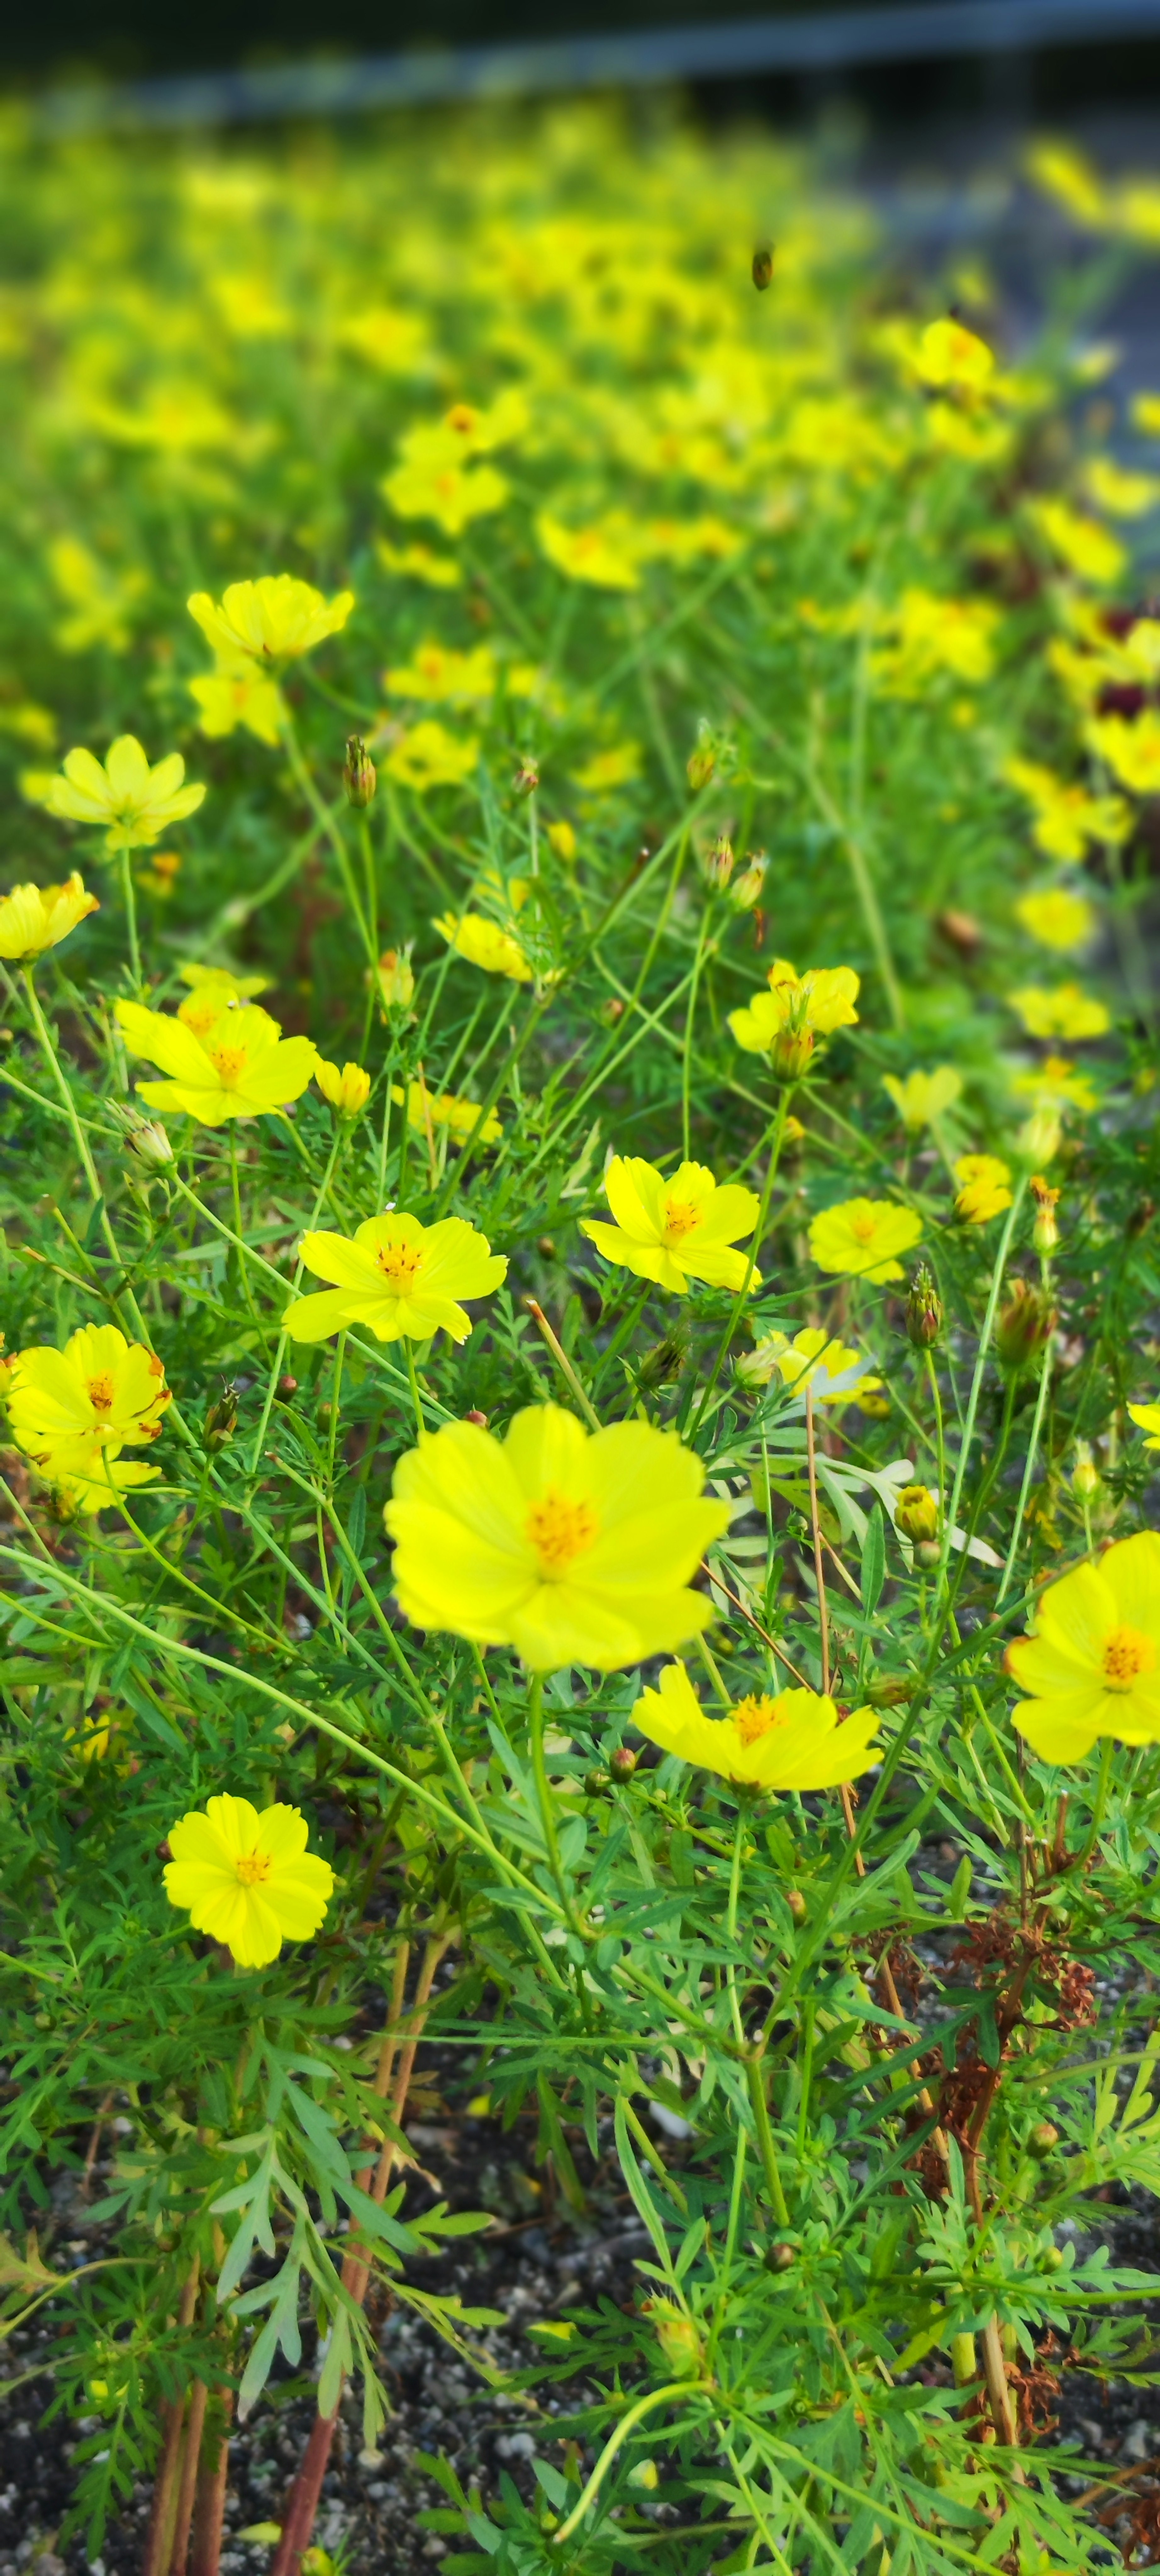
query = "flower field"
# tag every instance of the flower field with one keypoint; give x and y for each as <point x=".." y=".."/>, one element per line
<point x="579" y="1175"/>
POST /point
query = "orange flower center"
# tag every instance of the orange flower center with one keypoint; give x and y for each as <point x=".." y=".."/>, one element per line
<point x="400" y="1264"/>
<point x="101" y="1392"/>
<point x="1128" y="1653"/>
<point x="681" y="1218"/>
<point x="560" y="1530"/>
<point x="253" y="1868"/>
<point x="754" y="1717"/>
<point x="228" y="1062"/>
<point x="863" y="1228"/>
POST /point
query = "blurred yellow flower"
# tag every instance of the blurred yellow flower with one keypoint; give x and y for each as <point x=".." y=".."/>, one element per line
<point x="1092" y="1666"/>
<point x="484" y="943"/>
<point x="933" y="634"/>
<point x="1067" y="1012"/>
<point x="1066" y="174"/>
<point x="1057" y="918"/>
<point x="794" y="1741"/>
<point x="676" y="1230"/>
<point x="238" y="694"/>
<point x="418" y="562"/>
<point x="785" y="1022"/>
<point x="924" y="1096"/>
<point x="213" y="989"/>
<point x="242" y="1067"/>
<point x="984" y="1188"/>
<point x="136" y="803"/>
<point x="272" y="620"/>
<point x="1131" y="749"/>
<point x="445" y="490"/>
<point x="33" y="918"/>
<point x="346" y="1086"/>
<point x="397" y="1276"/>
<point x="446" y="1109"/>
<point x="446" y="677"/>
<point x="562" y="837"/>
<point x="1086" y="547"/>
<point x="247" y="1880"/>
<point x="616" y="767"/>
<point x="812" y="1359"/>
<point x="1122" y="495"/>
<point x="1147" y="1418"/>
<point x="1056" y="1084"/>
<point x="428" y="756"/>
<point x="605" y="553"/>
<point x="861" y="1238"/>
<point x="573" y="1547"/>
<point x="948" y="354"/>
<point x="100" y="602"/>
<point x="1067" y="818"/>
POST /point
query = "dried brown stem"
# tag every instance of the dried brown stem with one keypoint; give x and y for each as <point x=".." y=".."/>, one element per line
<point x="210" y="2504"/>
<point x="159" y="2545"/>
<point x="190" y="2464"/>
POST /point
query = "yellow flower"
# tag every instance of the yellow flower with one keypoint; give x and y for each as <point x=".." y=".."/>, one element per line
<point x="949" y="354"/>
<point x="446" y="677"/>
<point x="100" y="602"/>
<point x="792" y="1742"/>
<point x="238" y="694"/>
<point x="271" y="620"/>
<point x="1123" y="496"/>
<point x="395" y="977"/>
<point x="1131" y="749"/>
<point x="571" y="1546"/>
<point x="860" y="1238"/>
<point x="446" y="490"/>
<point x="398" y="1276"/>
<point x="446" y="1109"/>
<point x="213" y="989"/>
<point x="1092" y="1666"/>
<point x="1055" y="1084"/>
<point x="983" y="1188"/>
<point x="923" y="1096"/>
<point x="91" y="1479"/>
<point x="1067" y="1012"/>
<point x="1067" y="817"/>
<point x="606" y="553"/>
<point x="1083" y="544"/>
<point x="73" y="1411"/>
<point x="420" y="563"/>
<point x="606" y="770"/>
<point x="136" y="803"/>
<point x="562" y="837"/>
<point x="33" y="918"/>
<point x="677" y="1230"/>
<point x="429" y="756"/>
<point x="811" y="1359"/>
<point x="1065" y="175"/>
<point x="483" y="943"/>
<point x="934" y="634"/>
<point x="241" y="1068"/>
<point x="1147" y="1418"/>
<point x="1057" y="918"/>
<point x="347" y="1088"/>
<point x="247" y="1879"/>
<point x="785" y="1022"/>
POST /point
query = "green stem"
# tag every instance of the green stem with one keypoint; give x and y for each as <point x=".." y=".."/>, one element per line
<point x="416" y="1397"/>
<point x="779" y="1127"/>
<point x="326" y="819"/>
<point x="939" y="1430"/>
<point x="690" y="1013"/>
<point x="129" y="892"/>
<point x="755" y="2079"/>
<point x="644" y="2406"/>
<point x="1103" y="1783"/>
<point x="1028" y="1472"/>
<point x="968" y="1433"/>
<point x="80" y="1141"/>
<point x="544" y="1799"/>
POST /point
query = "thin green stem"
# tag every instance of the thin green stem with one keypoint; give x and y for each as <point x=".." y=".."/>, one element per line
<point x="545" y="1802"/>
<point x="968" y="1431"/>
<point x="690" y="1014"/>
<point x="678" y="2388"/>
<point x="129" y="893"/>
<point x="1103" y="1784"/>
<point x="779" y="1127"/>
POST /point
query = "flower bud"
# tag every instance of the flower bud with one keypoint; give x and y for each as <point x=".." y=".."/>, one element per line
<point x="286" y="1386"/>
<point x="622" y="1762"/>
<point x="888" y="1690"/>
<point x="916" y="1513"/>
<point x="527" y="777"/>
<point x="1044" y="2136"/>
<point x="762" y="271"/>
<point x="1045" y="1231"/>
<point x="1038" y="1138"/>
<point x="1085" y="1475"/>
<point x="395" y="979"/>
<point x="781" y="2258"/>
<point x="221" y="1420"/>
<point x="664" y="1363"/>
<point x="924" y="1310"/>
<point x="746" y="889"/>
<point x="479" y="1419"/>
<point x="146" y="1138"/>
<point x="717" y="864"/>
<point x="646" y="2474"/>
<point x="1024" y="1326"/>
<point x="597" y="1780"/>
<point x="359" y="775"/>
<point x="678" y="2338"/>
<point x="347" y="1087"/>
<point x="797" y="1904"/>
<point x="790" y="1053"/>
<point x="702" y="762"/>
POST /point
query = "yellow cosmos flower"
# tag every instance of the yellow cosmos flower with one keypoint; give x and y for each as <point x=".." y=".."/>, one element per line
<point x="271" y="620"/>
<point x="247" y="1879"/>
<point x="1131" y="749"/>
<point x="674" y="1231"/>
<point x="238" y="694"/>
<point x="1123" y="496"/>
<point x="449" y="493"/>
<point x="395" y="978"/>
<point x="85" y="1481"/>
<point x="398" y="1276"/>
<point x="606" y="553"/>
<point x="1067" y="1012"/>
<point x="983" y="1188"/>
<point x="1092" y="1666"/>
<point x="792" y="1742"/>
<point x="446" y="677"/>
<point x="1057" y="919"/>
<point x="347" y="1087"/>
<point x="948" y="354"/>
<point x="1147" y="1418"/>
<point x="934" y="634"/>
<point x="814" y="1359"/>
<point x="135" y="802"/>
<point x="606" y="770"/>
<point x="861" y="1238"/>
<point x="923" y="1096"/>
<point x="785" y="1022"/>
<point x="33" y="918"/>
<point x="1067" y="818"/>
<point x="447" y="1109"/>
<point x="574" y="1547"/>
<point x="100" y="1390"/>
<point x="420" y="563"/>
<point x="213" y="989"/>
<point x="1086" y="547"/>
<point x="242" y="1067"/>
<point x="429" y="756"/>
<point x="484" y="943"/>
<point x="1055" y="1084"/>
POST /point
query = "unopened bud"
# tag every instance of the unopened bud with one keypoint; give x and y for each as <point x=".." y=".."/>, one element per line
<point x="622" y="1762"/>
<point x="1038" y="1139"/>
<point x="746" y="889"/>
<point x="1024" y="1326"/>
<point x="781" y="2258"/>
<point x="663" y="1364"/>
<point x="717" y="863"/>
<point x="797" y="1904"/>
<point x="1045" y="1231"/>
<point x="762" y="266"/>
<point x="1052" y="2258"/>
<point x="479" y="1419"/>
<point x="359" y="775"/>
<point x="287" y="1385"/>
<point x="916" y="1513"/>
<point x="924" y="1310"/>
<point x="347" y="1087"/>
<point x="678" y="2338"/>
<point x="1044" y="2136"/>
<point x="888" y="1690"/>
<point x="145" y="1138"/>
<point x="546" y="1243"/>
<point x="395" y="980"/>
<point x="646" y="2474"/>
<point x="597" y="1780"/>
<point x="702" y="762"/>
<point x="527" y="777"/>
<point x="221" y="1421"/>
<point x="1085" y="1475"/>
